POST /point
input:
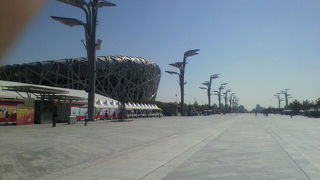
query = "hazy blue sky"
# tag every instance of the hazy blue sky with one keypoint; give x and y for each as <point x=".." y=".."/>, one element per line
<point x="259" y="47"/>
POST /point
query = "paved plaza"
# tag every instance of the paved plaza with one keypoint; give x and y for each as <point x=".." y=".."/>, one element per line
<point x="222" y="147"/>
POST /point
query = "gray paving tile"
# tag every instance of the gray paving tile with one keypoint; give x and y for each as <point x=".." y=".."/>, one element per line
<point x="212" y="147"/>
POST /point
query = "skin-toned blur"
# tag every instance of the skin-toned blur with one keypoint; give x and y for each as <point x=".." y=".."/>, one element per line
<point x="14" y="16"/>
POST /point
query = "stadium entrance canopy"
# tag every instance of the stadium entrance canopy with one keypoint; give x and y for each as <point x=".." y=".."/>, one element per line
<point x="42" y="93"/>
<point x="52" y="103"/>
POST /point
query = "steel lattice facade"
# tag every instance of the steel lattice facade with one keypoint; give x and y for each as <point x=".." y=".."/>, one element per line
<point x="119" y="77"/>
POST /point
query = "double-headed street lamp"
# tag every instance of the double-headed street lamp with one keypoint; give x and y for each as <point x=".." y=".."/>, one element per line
<point x="226" y="99"/>
<point x="279" y="99"/>
<point x="205" y="88"/>
<point x="230" y="100"/>
<point x="286" y="95"/>
<point x="222" y="86"/>
<point x="208" y="85"/>
<point x="218" y="95"/>
<point x="234" y="102"/>
<point x="90" y="8"/>
<point x="181" y="66"/>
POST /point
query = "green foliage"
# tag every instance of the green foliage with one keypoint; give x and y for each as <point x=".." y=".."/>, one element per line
<point x="272" y="110"/>
<point x="242" y="109"/>
<point x="258" y="108"/>
<point x="169" y="108"/>
<point x="295" y="106"/>
<point x="195" y="104"/>
<point x="318" y="102"/>
<point x="306" y="105"/>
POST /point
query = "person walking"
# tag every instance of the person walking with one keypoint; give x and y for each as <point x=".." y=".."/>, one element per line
<point x="7" y="117"/>
<point x="114" y="115"/>
<point x="106" y="114"/>
<point x="86" y="119"/>
<point x="54" y="119"/>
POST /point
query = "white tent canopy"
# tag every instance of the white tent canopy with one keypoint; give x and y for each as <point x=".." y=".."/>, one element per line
<point x="141" y="106"/>
<point x="114" y="104"/>
<point x="135" y="106"/>
<point x="99" y="104"/>
<point x="107" y="104"/>
<point x="129" y="106"/>
<point x="148" y="107"/>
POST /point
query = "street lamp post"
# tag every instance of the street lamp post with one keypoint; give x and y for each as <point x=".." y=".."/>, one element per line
<point x="286" y="95"/>
<point x="279" y="99"/>
<point x="181" y="66"/>
<point x="205" y="88"/>
<point x="90" y="9"/>
<point x="208" y="85"/>
<point x="230" y="100"/>
<point x="222" y="86"/>
<point x="216" y="93"/>
<point x="234" y="102"/>
<point x="226" y="99"/>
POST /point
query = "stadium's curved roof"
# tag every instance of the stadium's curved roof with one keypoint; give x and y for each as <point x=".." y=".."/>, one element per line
<point x="121" y="77"/>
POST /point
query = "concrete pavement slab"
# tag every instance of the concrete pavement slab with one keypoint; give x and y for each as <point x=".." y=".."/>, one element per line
<point x="247" y="150"/>
<point x="28" y="152"/>
<point x="207" y="147"/>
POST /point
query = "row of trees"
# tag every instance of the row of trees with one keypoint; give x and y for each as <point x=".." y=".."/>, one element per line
<point x="305" y="107"/>
<point x="173" y="109"/>
<point x="296" y="105"/>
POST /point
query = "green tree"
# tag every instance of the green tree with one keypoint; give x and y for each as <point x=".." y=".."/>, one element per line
<point x="306" y="105"/>
<point x="295" y="106"/>
<point x="242" y="109"/>
<point x="195" y="104"/>
<point x="318" y="102"/>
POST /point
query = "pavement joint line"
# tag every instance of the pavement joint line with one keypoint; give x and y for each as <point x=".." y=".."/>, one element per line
<point x="104" y="158"/>
<point x="180" y="154"/>
<point x="304" y="155"/>
<point x="16" y="171"/>
<point x="297" y="138"/>
<point x="94" y="162"/>
<point x="172" y="148"/>
<point x="203" y="142"/>
<point x="177" y="135"/>
<point x="287" y="153"/>
<point x="121" y="153"/>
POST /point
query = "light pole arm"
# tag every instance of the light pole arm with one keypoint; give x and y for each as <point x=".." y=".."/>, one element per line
<point x="88" y="19"/>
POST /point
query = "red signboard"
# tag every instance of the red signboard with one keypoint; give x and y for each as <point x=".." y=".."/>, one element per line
<point x="8" y="112"/>
<point x="25" y="116"/>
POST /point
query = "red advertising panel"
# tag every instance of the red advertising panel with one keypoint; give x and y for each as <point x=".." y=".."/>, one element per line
<point x="25" y="114"/>
<point x="8" y="113"/>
